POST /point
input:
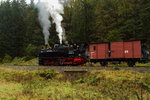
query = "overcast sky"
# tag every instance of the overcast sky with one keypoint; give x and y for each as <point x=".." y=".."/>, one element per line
<point x="28" y="1"/>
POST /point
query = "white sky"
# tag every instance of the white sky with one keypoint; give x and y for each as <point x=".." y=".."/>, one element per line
<point x="28" y="1"/>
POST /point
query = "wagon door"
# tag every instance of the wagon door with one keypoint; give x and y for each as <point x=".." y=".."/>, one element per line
<point x="93" y="51"/>
<point x="116" y="49"/>
<point x="102" y="51"/>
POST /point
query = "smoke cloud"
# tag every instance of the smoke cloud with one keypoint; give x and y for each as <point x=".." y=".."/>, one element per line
<point x="53" y="9"/>
<point x="43" y="17"/>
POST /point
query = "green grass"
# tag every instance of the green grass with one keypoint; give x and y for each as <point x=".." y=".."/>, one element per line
<point x="95" y="85"/>
<point x="141" y="64"/>
<point x="22" y="62"/>
<point x="123" y="64"/>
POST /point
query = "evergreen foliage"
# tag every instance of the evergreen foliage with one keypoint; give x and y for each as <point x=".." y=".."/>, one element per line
<point x="84" y="21"/>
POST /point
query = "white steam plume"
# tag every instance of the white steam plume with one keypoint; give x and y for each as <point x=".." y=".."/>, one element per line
<point x="44" y="20"/>
<point x="53" y="9"/>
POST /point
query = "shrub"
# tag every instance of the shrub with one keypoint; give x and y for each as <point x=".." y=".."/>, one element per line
<point x="27" y="58"/>
<point x="31" y="50"/>
<point x="47" y="74"/>
<point x="30" y="87"/>
<point x="90" y="64"/>
<point x="7" y="59"/>
<point x="17" y="61"/>
<point x="81" y="80"/>
<point x="24" y="61"/>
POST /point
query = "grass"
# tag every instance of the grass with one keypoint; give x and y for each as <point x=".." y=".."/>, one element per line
<point x="22" y="62"/>
<point x="123" y="64"/>
<point x="95" y="85"/>
<point x="141" y="64"/>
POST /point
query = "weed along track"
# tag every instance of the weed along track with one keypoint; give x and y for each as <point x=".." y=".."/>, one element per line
<point x="77" y="69"/>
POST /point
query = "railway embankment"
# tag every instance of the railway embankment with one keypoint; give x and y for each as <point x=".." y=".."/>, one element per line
<point x="141" y="69"/>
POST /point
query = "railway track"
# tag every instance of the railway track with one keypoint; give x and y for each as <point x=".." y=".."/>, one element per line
<point x="141" y="69"/>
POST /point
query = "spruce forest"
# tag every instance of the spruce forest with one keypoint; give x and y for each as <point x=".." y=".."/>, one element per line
<point x="91" y="21"/>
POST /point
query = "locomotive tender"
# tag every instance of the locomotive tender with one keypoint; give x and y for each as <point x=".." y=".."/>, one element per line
<point x="78" y="54"/>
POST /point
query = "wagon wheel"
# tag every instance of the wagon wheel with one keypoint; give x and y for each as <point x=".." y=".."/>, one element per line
<point x="104" y="63"/>
<point x="57" y="62"/>
<point x="131" y="63"/>
<point x="41" y="62"/>
<point x="45" y="63"/>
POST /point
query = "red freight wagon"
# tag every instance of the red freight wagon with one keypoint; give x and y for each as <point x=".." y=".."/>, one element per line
<point x="126" y="51"/>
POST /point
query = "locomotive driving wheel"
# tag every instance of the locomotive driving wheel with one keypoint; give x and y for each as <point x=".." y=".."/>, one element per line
<point x="131" y="63"/>
<point x="59" y="62"/>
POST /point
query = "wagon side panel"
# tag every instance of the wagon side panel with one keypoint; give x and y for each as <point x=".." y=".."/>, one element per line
<point x="137" y="49"/>
<point x="128" y="50"/>
<point x="117" y="50"/>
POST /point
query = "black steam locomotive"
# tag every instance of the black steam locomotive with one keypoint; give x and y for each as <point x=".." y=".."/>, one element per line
<point x="74" y="54"/>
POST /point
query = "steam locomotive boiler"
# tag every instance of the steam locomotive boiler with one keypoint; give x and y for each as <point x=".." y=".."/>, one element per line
<point x="61" y="55"/>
